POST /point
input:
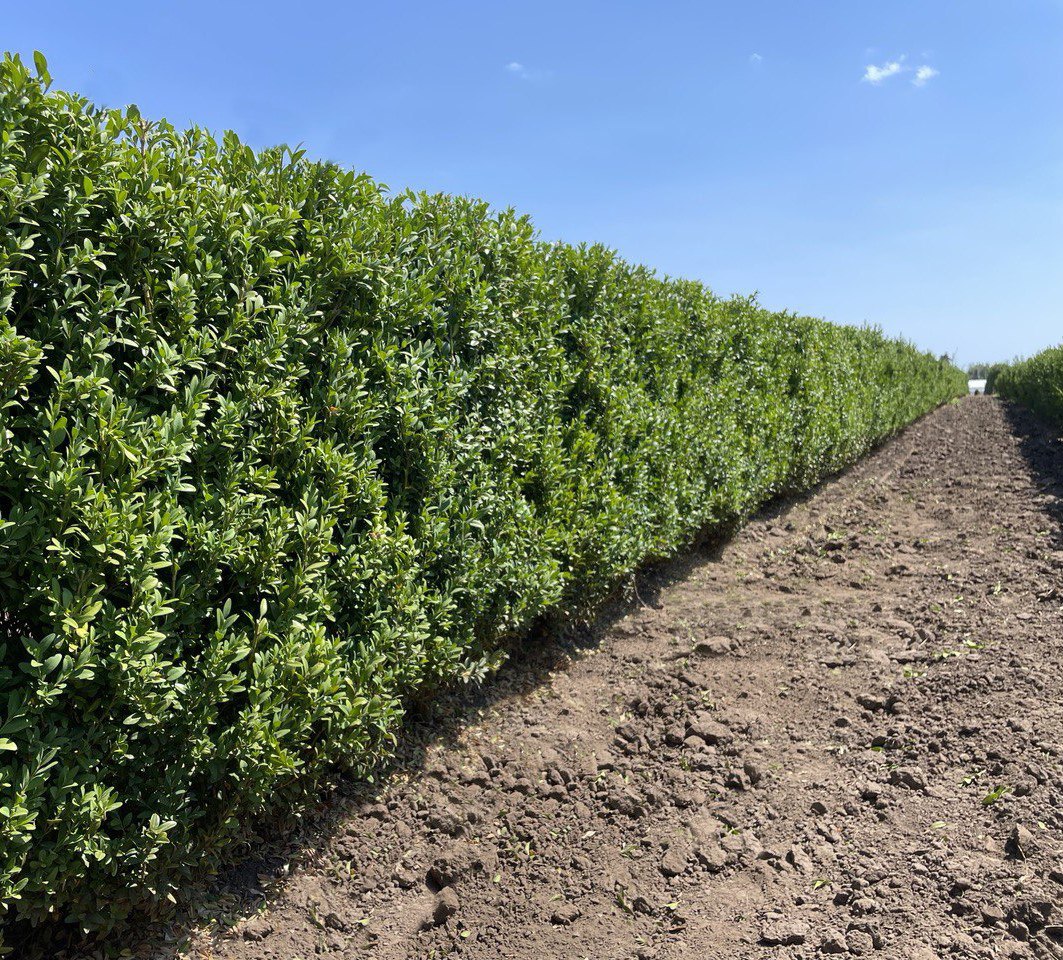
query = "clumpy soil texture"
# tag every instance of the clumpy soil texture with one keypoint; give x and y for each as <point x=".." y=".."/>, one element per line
<point x="839" y="734"/>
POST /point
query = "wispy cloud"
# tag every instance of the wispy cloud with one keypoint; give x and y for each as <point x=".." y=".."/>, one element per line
<point x="522" y="72"/>
<point x="876" y="74"/>
<point x="923" y="75"/>
<point x="755" y="58"/>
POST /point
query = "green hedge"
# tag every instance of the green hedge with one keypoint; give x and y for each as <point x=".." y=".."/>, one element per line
<point x="280" y="449"/>
<point x="1036" y="382"/>
<point x="991" y="376"/>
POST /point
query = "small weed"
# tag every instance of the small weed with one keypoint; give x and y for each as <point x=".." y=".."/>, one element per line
<point x="995" y="794"/>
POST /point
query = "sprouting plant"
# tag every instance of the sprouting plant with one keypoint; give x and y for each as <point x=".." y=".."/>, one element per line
<point x="995" y="794"/>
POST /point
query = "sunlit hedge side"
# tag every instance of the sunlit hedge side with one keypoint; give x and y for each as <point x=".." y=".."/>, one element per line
<point x="279" y="449"/>
<point x="1036" y="382"/>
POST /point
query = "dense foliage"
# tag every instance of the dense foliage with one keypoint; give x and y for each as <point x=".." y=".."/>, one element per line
<point x="280" y="449"/>
<point x="1036" y="382"/>
<point x="979" y="371"/>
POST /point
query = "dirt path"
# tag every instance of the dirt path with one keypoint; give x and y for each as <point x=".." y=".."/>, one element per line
<point x="840" y="734"/>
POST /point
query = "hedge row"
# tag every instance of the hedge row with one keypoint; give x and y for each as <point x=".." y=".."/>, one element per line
<point x="1036" y="382"/>
<point x="280" y="449"/>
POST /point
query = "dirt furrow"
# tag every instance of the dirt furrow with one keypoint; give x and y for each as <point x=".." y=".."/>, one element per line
<point x="839" y="734"/>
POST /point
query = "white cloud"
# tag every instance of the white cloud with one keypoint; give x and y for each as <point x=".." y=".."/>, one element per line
<point x="526" y="73"/>
<point x="924" y="74"/>
<point x="755" y="58"/>
<point x="890" y="68"/>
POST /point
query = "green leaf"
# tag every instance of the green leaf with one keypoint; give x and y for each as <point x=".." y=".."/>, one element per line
<point x="41" y="64"/>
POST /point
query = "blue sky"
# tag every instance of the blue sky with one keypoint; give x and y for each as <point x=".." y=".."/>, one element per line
<point x="892" y="162"/>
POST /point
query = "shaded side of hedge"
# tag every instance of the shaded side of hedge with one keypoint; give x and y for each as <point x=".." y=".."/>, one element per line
<point x="280" y="450"/>
<point x="1036" y="382"/>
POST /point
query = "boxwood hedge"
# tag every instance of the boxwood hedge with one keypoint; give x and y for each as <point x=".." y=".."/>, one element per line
<point x="280" y="449"/>
<point x="1036" y="382"/>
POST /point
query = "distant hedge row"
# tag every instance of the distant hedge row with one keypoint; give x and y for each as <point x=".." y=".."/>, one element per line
<point x="280" y="449"/>
<point x="1036" y="382"/>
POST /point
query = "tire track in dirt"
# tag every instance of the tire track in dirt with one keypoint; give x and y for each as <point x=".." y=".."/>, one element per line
<point x="840" y="734"/>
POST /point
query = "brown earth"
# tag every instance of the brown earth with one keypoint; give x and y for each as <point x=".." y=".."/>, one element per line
<point x="840" y="734"/>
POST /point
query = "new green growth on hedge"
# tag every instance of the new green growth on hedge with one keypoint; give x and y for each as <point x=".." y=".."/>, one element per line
<point x="1036" y="382"/>
<point x="280" y="449"/>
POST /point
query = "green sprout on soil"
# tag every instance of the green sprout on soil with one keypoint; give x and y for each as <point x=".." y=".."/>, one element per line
<point x="995" y="794"/>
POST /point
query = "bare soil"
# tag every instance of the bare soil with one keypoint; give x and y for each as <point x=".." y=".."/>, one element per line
<point x="838" y="734"/>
